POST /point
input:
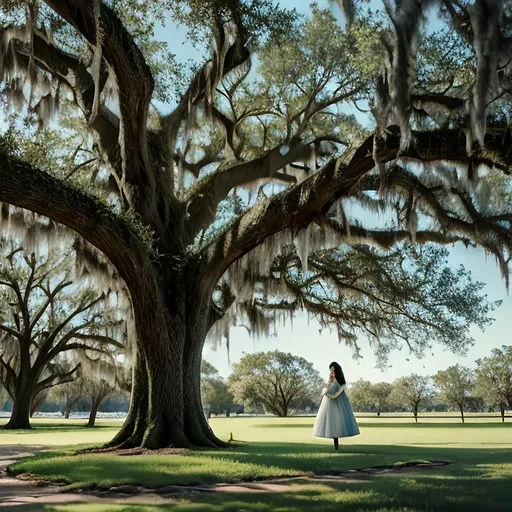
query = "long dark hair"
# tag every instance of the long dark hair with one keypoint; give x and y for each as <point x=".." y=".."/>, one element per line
<point x="338" y="373"/>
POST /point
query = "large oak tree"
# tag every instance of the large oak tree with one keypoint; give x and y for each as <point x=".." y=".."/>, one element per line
<point x="179" y="231"/>
<point x="49" y="327"/>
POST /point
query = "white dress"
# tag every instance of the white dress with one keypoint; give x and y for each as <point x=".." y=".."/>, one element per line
<point x="335" y="417"/>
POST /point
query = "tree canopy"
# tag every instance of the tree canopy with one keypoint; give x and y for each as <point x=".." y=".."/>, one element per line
<point x="215" y="394"/>
<point x="455" y="385"/>
<point x="275" y="380"/>
<point x="494" y="378"/>
<point x="366" y="395"/>
<point x="412" y="390"/>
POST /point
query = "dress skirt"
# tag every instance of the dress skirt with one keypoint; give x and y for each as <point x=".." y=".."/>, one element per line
<point x="335" y="417"/>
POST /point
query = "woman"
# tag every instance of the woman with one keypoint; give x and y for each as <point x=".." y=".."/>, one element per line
<point x="335" y="417"/>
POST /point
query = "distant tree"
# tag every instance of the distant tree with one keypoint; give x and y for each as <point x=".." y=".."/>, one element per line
<point x="98" y="390"/>
<point x="365" y="395"/>
<point x="208" y="371"/>
<point x="475" y="404"/>
<point x="455" y="385"/>
<point x="360" y="393"/>
<point x="215" y="394"/>
<point x="69" y="394"/>
<point x="275" y="380"/>
<point x="46" y="323"/>
<point x="494" y="379"/>
<point x="38" y="400"/>
<point x="412" y="391"/>
<point x="217" y="399"/>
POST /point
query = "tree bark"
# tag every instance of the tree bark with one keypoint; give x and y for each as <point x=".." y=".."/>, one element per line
<point x="502" y="410"/>
<point x="461" y="408"/>
<point x="95" y="405"/>
<point x="21" y="406"/>
<point x="132" y="431"/>
<point x="197" y="429"/>
<point x="23" y="393"/>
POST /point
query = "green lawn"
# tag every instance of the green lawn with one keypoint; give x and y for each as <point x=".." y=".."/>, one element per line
<point x="57" y="432"/>
<point x="479" y="478"/>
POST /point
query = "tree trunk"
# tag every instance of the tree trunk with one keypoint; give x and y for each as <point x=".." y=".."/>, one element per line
<point x="22" y="397"/>
<point x="21" y="405"/>
<point x="416" y="413"/>
<point x="23" y="394"/>
<point x="378" y="414"/>
<point x="67" y="410"/>
<point x="502" y="410"/>
<point x="95" y="405"/>
<point x="165" y="408"/>
<point x="461" y="412"/>
<point x="197" y="429"/>
<point x="132" y="431"/>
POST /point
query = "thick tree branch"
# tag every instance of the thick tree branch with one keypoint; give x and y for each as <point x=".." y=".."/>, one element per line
<point x="61" y="65"/>
<point x="297" y="207"/>
<point x="55" y="379"/>
<point x="10" y="331"/>
<point x="46" y="352"/>
<point x="135" y="86"/>
<point x="26" y="187"/>
<point x="100" y="339"/>
<point x="205" y="197"/>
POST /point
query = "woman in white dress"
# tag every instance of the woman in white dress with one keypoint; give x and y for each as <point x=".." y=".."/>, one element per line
<point x="335" y="417"/>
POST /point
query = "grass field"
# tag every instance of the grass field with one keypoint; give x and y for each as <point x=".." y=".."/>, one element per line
<point x="479" y="478"/>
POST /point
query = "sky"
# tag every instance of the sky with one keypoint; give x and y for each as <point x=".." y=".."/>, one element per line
<point x="304" y="339"/>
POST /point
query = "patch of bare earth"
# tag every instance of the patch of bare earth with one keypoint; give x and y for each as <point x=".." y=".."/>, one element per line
<point x="133" y="451"/>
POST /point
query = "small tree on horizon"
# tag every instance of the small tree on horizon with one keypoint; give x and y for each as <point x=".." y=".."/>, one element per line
<point x="69" y="394"/>
<point x="215" y="394"/>
<point x="412" y="390"/>
<point x="455" y="385"/>
<point x="368" y="395"/>
<point x="494" y="379"/>
<point x="276" y="380"/>
<point x="98" y="390"/>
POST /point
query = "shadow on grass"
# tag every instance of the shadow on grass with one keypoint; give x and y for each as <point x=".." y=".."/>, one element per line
<point x="320" y="458"/>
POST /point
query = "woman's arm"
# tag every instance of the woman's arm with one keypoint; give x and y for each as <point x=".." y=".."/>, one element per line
<point x="337" y="393"/>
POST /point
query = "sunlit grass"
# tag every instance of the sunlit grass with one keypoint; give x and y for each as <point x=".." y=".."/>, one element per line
<point x="58" y="432"/>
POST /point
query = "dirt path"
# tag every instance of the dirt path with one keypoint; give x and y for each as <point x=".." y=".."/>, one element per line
<point x="26" y="494"/>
